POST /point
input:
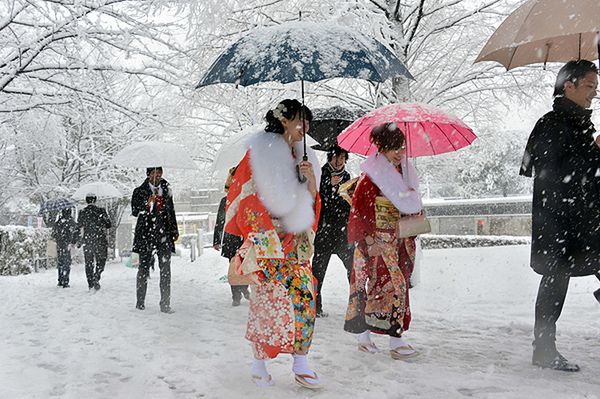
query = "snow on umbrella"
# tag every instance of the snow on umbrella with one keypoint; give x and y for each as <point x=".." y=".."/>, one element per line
<point x="102" y="190"/>
<point x="304" y="51"/>
<point x="150" y="154"/>
<point x="429" y="130"/>
<point x="233" y="149"/>
<point x="57" y="204"/>
<point x="327" y="123"/>
<point x="546" y="30"/>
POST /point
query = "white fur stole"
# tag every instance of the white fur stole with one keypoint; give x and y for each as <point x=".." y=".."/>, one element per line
<point x="395" y="186"/>
<point x="275" y="179"/>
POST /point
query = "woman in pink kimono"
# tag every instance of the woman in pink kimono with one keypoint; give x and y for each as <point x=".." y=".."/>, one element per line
<point x="274" y="204"/>
<point x="383" y="262"/>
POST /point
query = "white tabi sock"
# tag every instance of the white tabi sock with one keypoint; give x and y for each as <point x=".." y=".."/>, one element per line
<point x="396" y="342"/>
<point x="300" y="367"/>
<point x="259" y="368"/>
<point x="364" y="337"/>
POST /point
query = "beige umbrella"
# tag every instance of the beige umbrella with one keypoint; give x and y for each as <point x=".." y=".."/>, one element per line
<point x="546" y="30"/>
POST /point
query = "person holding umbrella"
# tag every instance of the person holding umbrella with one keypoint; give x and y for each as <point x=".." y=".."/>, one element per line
<point x="228" y="244"/>
<point x="64" y="232"/>
<point x="155" y="233"/>
<point x="563" y="157"/>
<point x="94" y="221"/>
<point x="387" y="189"/>
<point x="276" y="210"/>
<point x="332" y="234"/>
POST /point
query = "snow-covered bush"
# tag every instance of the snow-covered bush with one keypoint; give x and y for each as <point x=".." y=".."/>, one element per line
<point x="20" y="247"/>
<point x="430" y="241"/>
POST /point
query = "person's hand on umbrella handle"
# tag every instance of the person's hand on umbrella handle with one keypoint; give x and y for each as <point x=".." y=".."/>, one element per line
<point x="307" y="171"/>
<point x="335" y="180"/>
<point x="217" y="247"/>
<point x="597" y="140"/>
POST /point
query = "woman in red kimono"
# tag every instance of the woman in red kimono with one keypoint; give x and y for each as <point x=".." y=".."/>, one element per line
<point x="277" y="215"/>
<point x="383" y="262"/>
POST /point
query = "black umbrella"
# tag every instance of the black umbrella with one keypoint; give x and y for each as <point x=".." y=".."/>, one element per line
<point x="328" y="123"/>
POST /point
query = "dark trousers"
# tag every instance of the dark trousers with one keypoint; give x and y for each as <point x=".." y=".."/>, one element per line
<point x="323" y="252"/>
<point x="237" y="291"/>
<point x="164" y="263"/>
<point x="94" y="254"/>
<point x="63" y="260"/>
<point x="548" y="306"/>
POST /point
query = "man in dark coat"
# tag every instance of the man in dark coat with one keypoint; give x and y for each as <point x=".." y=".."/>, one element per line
<point x="332" y="233"/>
<point x="64" y="232"/>
<point x="155" y="233"/>
<point x="94" y="221"/>
<point x="228" y="244"/>
<point x="564" y="155"/>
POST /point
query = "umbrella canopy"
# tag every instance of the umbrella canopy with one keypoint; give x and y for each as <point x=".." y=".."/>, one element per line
<point x="148" y="154"/>
<point x="429" y="130"/>
<point x="57" y="204"/>
<point x="102" y="190"/>
<point x="303" y="51"/>
<point x="233" y="149"/>
<point x="545" y="30"/>
<point x="327" y="123"/>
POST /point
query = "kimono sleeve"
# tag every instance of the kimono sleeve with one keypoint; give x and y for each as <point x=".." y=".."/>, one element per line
<point x="247" y="217"/>
<point x="362" y="214"/>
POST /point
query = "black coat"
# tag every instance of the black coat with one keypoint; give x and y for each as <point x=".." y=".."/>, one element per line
<point x="229" y="242"/>
<point x="333" y="221"/>
<point x="94" y="221"/>
<point x="64" y="232"/>
<point x="153" y="226"/>
<point x="566" y="192"/>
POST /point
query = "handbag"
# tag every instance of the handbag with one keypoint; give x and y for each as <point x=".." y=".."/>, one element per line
<point x="51" y="250"/>
<point x="244" y="259"/>
<point x="233" y="277"/>
<point x="412" y="225"/>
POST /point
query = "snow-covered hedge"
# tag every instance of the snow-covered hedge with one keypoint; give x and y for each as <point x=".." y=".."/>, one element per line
<point x="430" y="241"/>
<point x="20" y="247"/>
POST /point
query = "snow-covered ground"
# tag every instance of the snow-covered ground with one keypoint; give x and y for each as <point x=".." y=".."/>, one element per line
<point x="472" y="322"/>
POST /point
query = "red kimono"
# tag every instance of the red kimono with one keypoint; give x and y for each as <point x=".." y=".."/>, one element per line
<point x="378" y="285"/>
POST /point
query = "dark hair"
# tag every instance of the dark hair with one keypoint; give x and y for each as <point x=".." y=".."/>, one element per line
<point x="572" y="71"/>
<point x="65" y="213"/>
<point x="387" y="136"/>
<point x="335" y="151"/>
<point x="287" y="109"/>
<point x="90" y="199"/>
<point x="230" y="175"/>
<point x="149" y="170"/>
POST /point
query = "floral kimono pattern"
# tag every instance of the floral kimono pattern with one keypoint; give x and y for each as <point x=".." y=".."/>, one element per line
<point x="379" y="299"/>
<point x="282" y="308"/>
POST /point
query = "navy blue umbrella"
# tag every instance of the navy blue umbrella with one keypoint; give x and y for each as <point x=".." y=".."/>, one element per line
<point x="57" y="204"/>
<point x="304" y="51"/>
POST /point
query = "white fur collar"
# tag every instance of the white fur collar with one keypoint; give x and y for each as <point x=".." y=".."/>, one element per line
<point x="395" y="186"/>
<point x="274" y="175"/>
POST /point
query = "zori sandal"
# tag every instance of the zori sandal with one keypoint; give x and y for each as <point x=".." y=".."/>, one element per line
<point x="368" y="348"/>
<point x="308" y="381"/>
<point x="403" y="352"/>
<point x="263" y="382"/>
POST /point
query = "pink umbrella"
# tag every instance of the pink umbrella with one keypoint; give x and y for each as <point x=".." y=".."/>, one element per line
<point x="429" y="130"/>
